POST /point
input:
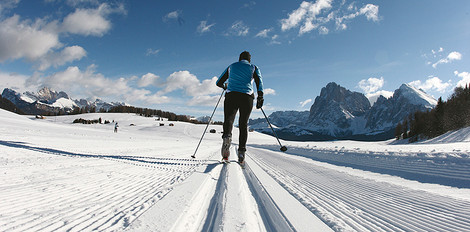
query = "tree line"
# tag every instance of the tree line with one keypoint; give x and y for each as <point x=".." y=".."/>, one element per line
<point x="449" y="115"/>
<point x="146" y="112"/>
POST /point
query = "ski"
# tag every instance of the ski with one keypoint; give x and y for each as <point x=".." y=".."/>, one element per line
<point x="242" y="164"/>
<point x="224" y="161"/>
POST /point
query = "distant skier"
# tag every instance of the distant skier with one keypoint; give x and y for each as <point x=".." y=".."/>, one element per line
<point x="116" y="127"/>
<point x="239" y="97"/>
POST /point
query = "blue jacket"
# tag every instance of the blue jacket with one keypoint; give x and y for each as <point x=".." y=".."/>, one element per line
<point x="240" y="76"/>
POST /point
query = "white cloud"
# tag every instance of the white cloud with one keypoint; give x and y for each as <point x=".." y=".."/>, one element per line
<point x="465" y="78"/>
<point x="438" y="51"/>
<point x="203" y="27"/>
<point x="156" y="99"/>
<point x="316" y="15"/>
<point x="202" y="92"/>
<point x="451" y="57"/>
<point x="269" y="91"/>
<point x="38" y="41"/>
<point x="148" y="79"/>
<point x="206" y="87"/>
<point x="249" y="5"/>
<point x="75" y="3"/>
<point x="374" y="96"/>
<point x="7" y="5"/>
<point x="307" y="12"/>
<point x="88" y="83"/>
<point x="304" y="103"/>
<point x="135" y="94"/>
<point x="90" y="21"/>
<point x="454" y="56"/>
<point x="174" y="15"/>
<point x="16" y="81"/>
<point x="323" y="30"/>
<point x="203" y="100"/>
<point x="371" y="85"/>
<point x="433" y="83"/>
<point x="20" y="39"/>
<point x="180" y="80"/>
<point x="152" y="52"/>
<point x="274" y="39"/>
<point x="67" y="55"/>
<point x="264" y="33"/>
<point x="238" y="28"/>
<point x="370" y="11"/>
<point x="190" y="84"/>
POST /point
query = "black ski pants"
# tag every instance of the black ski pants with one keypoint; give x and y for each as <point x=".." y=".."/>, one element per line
<point x="235" y="101"/>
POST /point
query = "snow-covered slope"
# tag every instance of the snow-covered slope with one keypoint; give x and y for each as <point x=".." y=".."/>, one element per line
<point x="61" y="176"/>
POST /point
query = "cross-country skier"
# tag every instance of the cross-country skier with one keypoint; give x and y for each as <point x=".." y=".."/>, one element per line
<point x="239" y="97"/>
<point x="116" y="127"/>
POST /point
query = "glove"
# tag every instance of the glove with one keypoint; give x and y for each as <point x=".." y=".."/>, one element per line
<point x="225" y="86"/>
<point x="259" y="102"/>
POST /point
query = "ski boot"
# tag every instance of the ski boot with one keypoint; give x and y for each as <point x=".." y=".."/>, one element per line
<point x="226" y="148"/>
<point x="241" y="158"/>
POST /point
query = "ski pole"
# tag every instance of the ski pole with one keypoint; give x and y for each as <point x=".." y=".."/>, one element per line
<point x="283" y="148"/>
<point x="210" y="119"/>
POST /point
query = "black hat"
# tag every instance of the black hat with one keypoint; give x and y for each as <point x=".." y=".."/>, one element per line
<point x="245" y="56"/>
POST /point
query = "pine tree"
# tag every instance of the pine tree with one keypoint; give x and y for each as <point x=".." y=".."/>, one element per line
<point x="405" y="129"/>
<point x="398" y="131"/>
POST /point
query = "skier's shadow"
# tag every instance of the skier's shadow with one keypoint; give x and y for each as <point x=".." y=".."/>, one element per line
<point x="24" y="145"/>
<point x="211" y="166"/>
<point x="52" y="151"/>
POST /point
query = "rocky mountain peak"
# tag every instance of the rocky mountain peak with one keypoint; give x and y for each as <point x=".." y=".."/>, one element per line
<point x="414" y="96"/>
<point x="335" y="98"/>
<point x="48" y="95"/>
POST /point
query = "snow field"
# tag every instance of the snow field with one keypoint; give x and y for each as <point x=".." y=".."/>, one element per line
<point x="55" y="175"/>
<point x="80" y="195"/>
<point x="85" y="177"/>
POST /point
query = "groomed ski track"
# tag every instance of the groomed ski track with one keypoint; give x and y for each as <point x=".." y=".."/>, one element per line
<point x="229" y="198"/>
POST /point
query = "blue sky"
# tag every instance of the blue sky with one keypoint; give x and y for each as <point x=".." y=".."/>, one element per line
<point x="168" y="54"/>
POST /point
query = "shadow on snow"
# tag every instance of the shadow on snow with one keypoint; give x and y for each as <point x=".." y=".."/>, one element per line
<point x="448" y="171"/>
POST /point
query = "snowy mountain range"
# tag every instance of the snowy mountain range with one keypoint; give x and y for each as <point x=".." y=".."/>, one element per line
<point x="339" y="113"/>
<point x="49" y="101"/>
